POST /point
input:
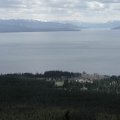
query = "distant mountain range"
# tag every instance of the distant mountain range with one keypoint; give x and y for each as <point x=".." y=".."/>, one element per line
<point x="34" y="26"/>
<point x="106" y="25"/>
<point x="116" y="28"/>
<point x="21" y="25"/>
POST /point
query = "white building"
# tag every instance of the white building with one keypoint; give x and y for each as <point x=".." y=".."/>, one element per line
<point x="59" y="83"/>
<point x="84" y="81"/>
<point x="84" y="88"/>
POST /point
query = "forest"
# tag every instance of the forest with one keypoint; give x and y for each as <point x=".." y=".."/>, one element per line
<point x="27" y="96"/>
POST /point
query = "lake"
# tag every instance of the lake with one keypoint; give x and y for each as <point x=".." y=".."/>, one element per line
<point x="88" y="50"/>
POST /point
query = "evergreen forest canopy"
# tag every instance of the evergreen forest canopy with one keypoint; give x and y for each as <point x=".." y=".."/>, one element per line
<point x="35" y="96"/>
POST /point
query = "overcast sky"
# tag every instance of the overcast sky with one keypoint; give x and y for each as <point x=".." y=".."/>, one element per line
<point x="61" y="10"/>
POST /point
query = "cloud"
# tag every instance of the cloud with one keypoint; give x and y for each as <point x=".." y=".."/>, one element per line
<point x="94" y="5"/>
<point x="57" y="10"/>
<point x="104" y="1"/>
<point x="10" y="3"/>
<point x="114" y="6"/>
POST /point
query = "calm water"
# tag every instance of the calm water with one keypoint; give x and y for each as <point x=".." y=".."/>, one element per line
<point x="90" y="51"/>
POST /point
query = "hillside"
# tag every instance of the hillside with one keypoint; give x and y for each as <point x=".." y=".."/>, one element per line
<point x="106" y="25"/>
<point x="117" y="28"/>
<point x="34" y="26"/>
<point x="27" y="96"/>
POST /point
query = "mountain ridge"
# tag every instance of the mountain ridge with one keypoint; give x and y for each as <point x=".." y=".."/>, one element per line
<point x="21" y="25"/>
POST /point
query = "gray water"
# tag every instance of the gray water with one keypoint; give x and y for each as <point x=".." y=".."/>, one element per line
<point x="90" y="51"/>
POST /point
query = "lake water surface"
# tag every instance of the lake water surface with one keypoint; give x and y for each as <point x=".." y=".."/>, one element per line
<point x="90" y="51"/>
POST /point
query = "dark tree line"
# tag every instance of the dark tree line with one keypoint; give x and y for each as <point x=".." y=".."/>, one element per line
<point x="47" y="74"/>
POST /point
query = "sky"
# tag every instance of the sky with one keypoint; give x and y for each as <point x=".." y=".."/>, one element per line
<point x="61" y="10"/>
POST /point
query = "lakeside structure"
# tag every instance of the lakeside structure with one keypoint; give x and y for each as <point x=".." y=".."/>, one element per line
<point x="88" y="78"/>
<point x="69" y="81"/>
<point x="83" y="79"/>
<point x="59" y="83"/>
